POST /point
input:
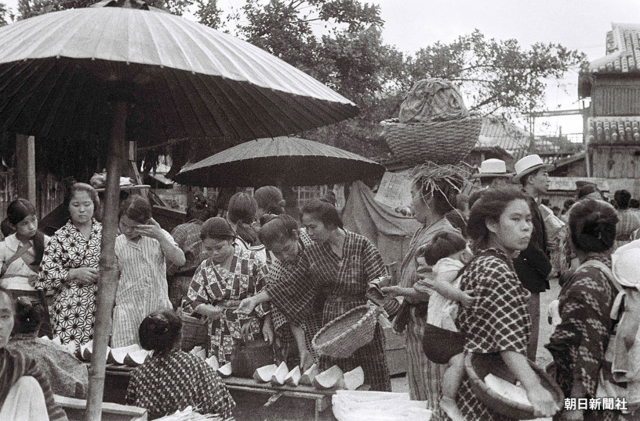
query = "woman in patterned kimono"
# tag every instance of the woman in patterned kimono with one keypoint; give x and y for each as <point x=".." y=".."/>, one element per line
<point x="229" y="275"/>
<point x="498" y="322"/>
<point x="579" y="342"/>
<point x="282" y="236"/>
<point x="70" y="267"/>
<point x="171" y="380"/>
<point x="337" y="267"/>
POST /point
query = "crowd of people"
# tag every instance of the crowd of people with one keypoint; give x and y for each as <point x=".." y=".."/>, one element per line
<point x="469" y="283"/>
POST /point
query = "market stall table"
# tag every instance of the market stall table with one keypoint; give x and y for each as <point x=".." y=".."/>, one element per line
<point x="117" y="380"/>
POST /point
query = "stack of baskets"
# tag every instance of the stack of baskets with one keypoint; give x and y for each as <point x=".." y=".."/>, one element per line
<point x="342" y="336"/>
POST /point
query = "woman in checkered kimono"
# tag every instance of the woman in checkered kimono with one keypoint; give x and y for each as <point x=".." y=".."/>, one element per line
<point x="498" y="321"/>
<point x="337" y="267"/>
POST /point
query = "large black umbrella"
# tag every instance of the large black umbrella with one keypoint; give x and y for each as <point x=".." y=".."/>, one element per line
<point x="105" y="75"/>
<point x="275" y="161"/>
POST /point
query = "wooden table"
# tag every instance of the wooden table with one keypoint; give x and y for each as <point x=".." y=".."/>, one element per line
<point x="322" y="398"/>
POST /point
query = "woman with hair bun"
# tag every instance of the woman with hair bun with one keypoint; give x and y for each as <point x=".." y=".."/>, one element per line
<point x="270" y="201"/>
<point x="68" y="375"/>
<point x="22" y="251"/>
<point x="579" y="342"/>
<point x="170" y="379"/>
<point x="500" y="225"/>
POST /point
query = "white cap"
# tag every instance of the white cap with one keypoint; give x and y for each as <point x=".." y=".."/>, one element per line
<point x="529" y="164"/>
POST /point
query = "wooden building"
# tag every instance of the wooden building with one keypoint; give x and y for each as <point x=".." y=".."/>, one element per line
<point x="613" y="134"/>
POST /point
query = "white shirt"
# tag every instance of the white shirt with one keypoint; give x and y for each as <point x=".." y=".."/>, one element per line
<point x="18" y="273"/>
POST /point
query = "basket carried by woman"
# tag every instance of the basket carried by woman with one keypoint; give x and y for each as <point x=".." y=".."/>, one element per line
<point x="434" y="125"/>
<point x="342" y="336"/>
<point x="478" y="366"/>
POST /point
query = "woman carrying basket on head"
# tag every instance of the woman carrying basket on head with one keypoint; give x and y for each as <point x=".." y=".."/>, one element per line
<point x="498" y="322"/>
<point x="339" y="265"/>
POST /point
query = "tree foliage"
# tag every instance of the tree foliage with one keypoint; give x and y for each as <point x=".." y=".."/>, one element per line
<point x="339" y="42"/>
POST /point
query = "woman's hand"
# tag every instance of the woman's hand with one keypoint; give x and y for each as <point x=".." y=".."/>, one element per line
<point x="152" y="230"/>
<point x="246" y="306"/>
<point x="467" y="299"/>
<point x="84" y="275"/>
<point x="267" y="330"/>
<point x="542" y="402"/>
<point x="210" y="312"/>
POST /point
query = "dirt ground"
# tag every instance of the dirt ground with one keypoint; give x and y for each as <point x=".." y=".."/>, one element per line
<point x="250" y="406"/>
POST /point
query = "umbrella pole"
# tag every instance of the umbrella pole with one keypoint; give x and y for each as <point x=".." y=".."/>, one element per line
<point x="108" y="283"/>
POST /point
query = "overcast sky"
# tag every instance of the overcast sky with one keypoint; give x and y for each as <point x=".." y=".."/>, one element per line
<point x="576" y="24"/>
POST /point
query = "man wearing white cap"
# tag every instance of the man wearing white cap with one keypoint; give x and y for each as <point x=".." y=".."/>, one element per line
<point x="533" y="265"/>
<point x="493" y="173"/>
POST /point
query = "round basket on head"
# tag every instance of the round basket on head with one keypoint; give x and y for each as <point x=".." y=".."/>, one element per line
<point x="342" y="336"/>
<point x="442" y="142"/>
<point x="479" y="365"/>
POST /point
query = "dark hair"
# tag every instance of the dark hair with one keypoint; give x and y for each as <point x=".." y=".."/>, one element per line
<point x="6" y="227"/>
<point x="277" y="230"/>
<point x="160" y="331"/>
<point x="490" y="207"/>
<point x="443" y="244"/>
<point x="330" y="197"/>
<point x="28" y="316"/>
<point x="242" y="212"/>
<point x="593" y="225"/>
<point x="20" y="209"/>
<point x="16" y="212"/>
<point x="622" y="198"/>
<point x="324" y="212"/>
<point x="217" y="228"/>
<point x="634" y="203"/>
<point x="444" y="195"/>
<point x="587" y="190"/>
<point x="201" y="208"/>
<point x="82" y="187"/>
<point x="136" y="208"/>
<point x="567" y="204"/>
<point x="269" y="198"/>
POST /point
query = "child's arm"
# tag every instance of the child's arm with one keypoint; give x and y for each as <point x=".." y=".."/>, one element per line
<point x="405" y="292"/>
<point x="443" y="286"/>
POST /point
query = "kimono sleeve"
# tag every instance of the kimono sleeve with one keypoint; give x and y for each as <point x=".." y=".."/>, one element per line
<point x="203" y="289"/>
<point x="260" y="272"/>
<point x="53" y="270"/>
<point x="53" y="409"/>
<point x="295" y="294"/>
<point x="372" y="262"/>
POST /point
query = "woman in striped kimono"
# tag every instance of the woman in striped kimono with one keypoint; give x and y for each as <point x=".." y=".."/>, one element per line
<point x="141" y="249"/>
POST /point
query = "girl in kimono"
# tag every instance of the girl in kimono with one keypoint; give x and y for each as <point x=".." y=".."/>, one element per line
<point x="21" y="252"/>
<point x="229" y="275"/>
<point x="337" y="267"/>
<point x="141" y="250"/>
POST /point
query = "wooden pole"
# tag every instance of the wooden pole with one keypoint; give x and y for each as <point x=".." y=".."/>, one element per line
<point x="26" y="167"/>
<point x="108" y="283"/>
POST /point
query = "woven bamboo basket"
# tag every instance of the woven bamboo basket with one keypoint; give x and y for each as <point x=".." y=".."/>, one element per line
<point x="342" y="336"/>
<point x="442" y="142"/>
<point x="194" y="332"/>
<point x="479" y="365"/>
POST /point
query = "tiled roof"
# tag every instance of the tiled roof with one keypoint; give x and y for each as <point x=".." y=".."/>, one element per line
<point x="500" y="133"/>
<point x="623" y="50"/>
<point x="614" y="129"/>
